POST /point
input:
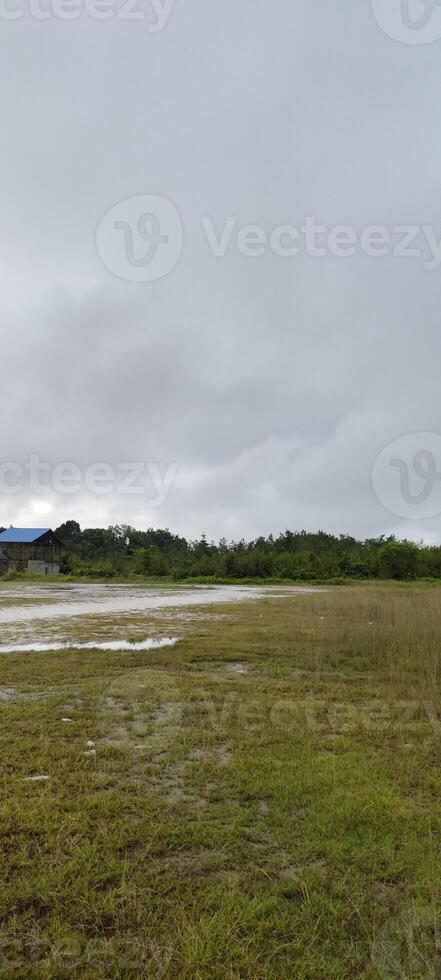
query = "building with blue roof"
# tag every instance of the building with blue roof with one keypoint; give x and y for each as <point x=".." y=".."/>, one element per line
<point x="30" y="549"/>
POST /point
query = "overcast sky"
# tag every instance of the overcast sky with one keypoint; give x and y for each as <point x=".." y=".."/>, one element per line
<point x="254" y="389"/>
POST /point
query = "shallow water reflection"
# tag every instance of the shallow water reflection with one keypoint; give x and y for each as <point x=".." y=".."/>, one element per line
<point x="110" y="645"/>
<point x="94" y="614"/>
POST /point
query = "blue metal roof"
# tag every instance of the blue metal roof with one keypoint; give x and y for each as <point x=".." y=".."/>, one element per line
<point x="22" y="535"/>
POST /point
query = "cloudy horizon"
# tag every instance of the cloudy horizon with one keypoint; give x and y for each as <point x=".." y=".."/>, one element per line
<point x="220" y="266"/>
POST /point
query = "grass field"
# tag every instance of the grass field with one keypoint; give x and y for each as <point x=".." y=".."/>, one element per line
<point x="262" y="800"/>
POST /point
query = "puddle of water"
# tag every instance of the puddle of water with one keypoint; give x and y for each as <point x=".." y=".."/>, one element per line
<point x="7" y="693"/>
<point x="111" y="645"/>
<point x="52" y="617"/>
<point x="90" y="600"/>
<point x="129" y="599"/>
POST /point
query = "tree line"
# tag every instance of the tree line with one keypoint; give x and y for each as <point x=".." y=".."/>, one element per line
<point x="123" y="551"/>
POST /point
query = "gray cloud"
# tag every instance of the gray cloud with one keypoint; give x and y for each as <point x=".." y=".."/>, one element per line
<point x="272" y="383"/>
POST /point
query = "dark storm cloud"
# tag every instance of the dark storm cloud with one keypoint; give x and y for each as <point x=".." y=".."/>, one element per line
<point x="271" y="382"/>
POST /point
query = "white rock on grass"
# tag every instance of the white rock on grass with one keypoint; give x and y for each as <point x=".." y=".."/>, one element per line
<point x="35" y="779"/>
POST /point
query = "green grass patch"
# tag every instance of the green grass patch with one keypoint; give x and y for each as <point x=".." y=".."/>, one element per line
<point x="202" y="822"/>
